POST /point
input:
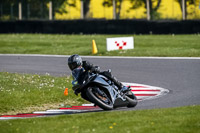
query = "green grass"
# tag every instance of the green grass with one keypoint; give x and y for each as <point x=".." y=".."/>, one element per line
<point x="171" y="120"/>
<point x="27" y="93"/>
<point x="145" y="45"/>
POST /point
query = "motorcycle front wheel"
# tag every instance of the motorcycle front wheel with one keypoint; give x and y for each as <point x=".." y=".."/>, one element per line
<point x="100" y="97"/>
<point x="132" y="99"/>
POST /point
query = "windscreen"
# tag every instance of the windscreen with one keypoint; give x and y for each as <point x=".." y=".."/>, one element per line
<point x="76" y="73"/>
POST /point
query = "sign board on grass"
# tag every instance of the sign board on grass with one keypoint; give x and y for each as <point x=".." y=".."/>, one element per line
<point x="120" y="43"/>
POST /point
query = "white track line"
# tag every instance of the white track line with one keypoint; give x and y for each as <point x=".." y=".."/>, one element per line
<point x="102" y="57"/>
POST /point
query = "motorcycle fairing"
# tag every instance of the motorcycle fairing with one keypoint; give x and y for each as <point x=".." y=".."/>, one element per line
<point x="99" y="81"/>
<point x="81" y="82"/>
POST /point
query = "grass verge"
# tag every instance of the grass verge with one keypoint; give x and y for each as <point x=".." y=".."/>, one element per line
<point x="145" y="45"/>
<point x="25" y="93"/>
<point x="171" y="120"/>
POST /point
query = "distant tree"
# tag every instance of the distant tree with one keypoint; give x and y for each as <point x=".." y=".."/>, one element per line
<point x="190" y="2"/>
<point x="34" y="8"/>
<point x="58" y="6"/>
<point x="6" y="9"/>
<point x="86" y="6"/>
<point x="109" y="3"/>
<point x="154" y="6"/>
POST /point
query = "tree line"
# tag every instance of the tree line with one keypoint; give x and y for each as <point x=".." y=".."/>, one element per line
<point x="39" y="8"/>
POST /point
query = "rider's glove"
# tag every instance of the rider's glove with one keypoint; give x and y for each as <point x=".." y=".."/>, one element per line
<point x="96" y="69"/>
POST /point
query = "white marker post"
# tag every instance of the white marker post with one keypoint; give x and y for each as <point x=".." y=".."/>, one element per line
<point x="120" y="43"/>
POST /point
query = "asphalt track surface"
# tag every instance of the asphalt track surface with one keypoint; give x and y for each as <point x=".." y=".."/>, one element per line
<point x="179" y="75"/>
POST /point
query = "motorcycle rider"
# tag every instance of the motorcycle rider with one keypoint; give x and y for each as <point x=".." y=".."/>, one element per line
<point x="75" y="61"/>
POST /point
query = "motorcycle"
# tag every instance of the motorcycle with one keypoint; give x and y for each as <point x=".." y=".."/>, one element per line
<point x="101" y="91"/>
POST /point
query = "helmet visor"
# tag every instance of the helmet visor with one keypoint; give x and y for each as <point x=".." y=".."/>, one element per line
<point x="72" y="65"/>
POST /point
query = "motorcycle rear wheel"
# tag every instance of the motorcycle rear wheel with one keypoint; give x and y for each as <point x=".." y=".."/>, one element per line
<point x="100" y="100"/>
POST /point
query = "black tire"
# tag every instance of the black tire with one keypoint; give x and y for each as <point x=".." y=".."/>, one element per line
<point x="98" y="101"/>
<point x="132" y="99"/>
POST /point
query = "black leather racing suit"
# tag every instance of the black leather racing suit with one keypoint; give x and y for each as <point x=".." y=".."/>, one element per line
<point x="90" y="67"/>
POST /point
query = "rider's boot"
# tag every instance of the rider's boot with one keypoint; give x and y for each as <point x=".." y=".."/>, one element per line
<point x="125" y="89"/>
<point x="120" y="86"/>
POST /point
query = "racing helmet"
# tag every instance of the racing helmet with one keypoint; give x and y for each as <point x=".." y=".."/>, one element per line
<point x="74" y="61"/>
